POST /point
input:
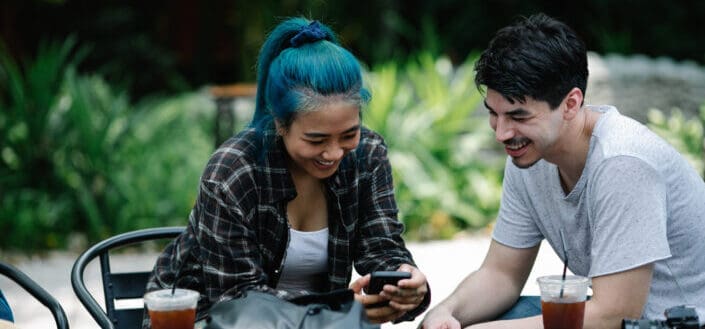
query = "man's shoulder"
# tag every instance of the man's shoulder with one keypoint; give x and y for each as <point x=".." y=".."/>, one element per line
<point x="618" y="135"/>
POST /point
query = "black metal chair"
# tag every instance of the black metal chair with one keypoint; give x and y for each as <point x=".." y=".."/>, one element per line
<point x="34" y="289"/>
<point x="116" y="285"/>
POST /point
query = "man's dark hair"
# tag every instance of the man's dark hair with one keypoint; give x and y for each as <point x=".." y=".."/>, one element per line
<point x="538" y="56"/>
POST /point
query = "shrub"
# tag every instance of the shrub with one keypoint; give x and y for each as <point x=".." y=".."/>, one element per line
<point x="77" y="157"/>
<point x="446" y="175"/>
<point x="685" y="134"/>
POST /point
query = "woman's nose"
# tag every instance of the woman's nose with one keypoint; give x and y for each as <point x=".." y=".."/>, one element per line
<point x="333" y="153"/>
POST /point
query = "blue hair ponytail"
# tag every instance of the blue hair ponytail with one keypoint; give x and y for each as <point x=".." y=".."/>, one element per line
<point x="302" y="66"/>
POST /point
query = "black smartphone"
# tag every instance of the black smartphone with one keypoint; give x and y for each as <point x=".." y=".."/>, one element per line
<point x="379" y="278"/>
<point x="377" y="281"/>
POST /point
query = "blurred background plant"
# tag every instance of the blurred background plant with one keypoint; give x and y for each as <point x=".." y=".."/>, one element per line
<point x="446" y="176"/>
<point x="32" y="201"/>
<point x="106" y="120"/>
<point x="684" y="133"/>
<point x="77" y="157"/>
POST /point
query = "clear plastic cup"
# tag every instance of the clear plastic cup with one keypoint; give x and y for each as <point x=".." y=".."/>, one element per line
<point x="563" y="301"/>
<point x="167" y="311"/>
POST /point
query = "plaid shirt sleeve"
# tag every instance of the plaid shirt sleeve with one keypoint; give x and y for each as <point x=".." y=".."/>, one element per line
<point x="381" y="242"/>
<point x="227" y="249"/>
<point x="228" y="245"/>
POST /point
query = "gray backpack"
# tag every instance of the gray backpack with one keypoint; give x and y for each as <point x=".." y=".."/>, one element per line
<point x="259" y="310"/>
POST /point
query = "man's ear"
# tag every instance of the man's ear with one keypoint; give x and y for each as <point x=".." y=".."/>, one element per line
<point x="572" y="103"/>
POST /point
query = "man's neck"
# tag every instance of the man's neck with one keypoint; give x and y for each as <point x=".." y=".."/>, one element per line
<point x="572" y="156"/>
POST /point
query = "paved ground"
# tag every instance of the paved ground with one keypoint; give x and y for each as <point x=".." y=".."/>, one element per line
<point x="445" y="264"/>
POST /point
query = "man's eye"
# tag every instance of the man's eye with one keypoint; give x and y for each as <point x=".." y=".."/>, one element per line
<point x="315" y="142"/>
<point x="520" y="119"/>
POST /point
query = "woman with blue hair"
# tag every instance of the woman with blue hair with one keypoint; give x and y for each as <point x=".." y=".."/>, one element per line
<point x="290" y="204"/>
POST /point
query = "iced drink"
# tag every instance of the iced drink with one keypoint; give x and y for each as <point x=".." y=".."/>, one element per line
<point x="167" y="311"/>
<point x="563" y="302"/>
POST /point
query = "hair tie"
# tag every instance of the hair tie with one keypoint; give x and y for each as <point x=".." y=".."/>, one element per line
<point x="308" y="34"/>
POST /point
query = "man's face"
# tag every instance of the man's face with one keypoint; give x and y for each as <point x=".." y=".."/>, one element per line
<point x="529" y="130"/>
<point x="317" y="141"/>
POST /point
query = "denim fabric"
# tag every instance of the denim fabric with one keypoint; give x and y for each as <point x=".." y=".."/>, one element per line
<point x="5" y="311"/>
<point x="526" y="306"/>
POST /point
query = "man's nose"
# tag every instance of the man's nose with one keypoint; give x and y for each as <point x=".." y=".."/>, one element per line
<point x="503" y="130"/>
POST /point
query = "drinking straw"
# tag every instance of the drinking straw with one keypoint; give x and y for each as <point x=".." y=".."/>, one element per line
<point x="176" y="276"/>
<point x="565" y="264"/>
<point x="173" y="287"/>
<point x="180" y="266"/>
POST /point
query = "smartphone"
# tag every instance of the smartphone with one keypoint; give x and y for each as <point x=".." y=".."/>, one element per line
<point x="379" y="278"/>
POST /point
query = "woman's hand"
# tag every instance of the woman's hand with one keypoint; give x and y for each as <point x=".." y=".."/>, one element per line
<point x="409" y="293"/>
<point x="406" y="296"/>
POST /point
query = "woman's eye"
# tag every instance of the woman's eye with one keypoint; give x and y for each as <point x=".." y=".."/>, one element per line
<point x="315" y="142"/>
<point x="351" y="136"/>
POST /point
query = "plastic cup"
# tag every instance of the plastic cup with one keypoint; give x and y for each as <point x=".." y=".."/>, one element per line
<point x="563" y="301"/>
<point x="167" y="311"/>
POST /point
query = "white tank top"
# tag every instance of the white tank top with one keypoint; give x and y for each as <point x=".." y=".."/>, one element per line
<point x="306" y="261"/>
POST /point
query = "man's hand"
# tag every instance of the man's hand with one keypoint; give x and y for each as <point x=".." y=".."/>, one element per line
<point x="439" y="318"/>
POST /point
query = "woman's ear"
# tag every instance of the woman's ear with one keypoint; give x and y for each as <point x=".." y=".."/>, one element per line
<point x="281" y="130"/>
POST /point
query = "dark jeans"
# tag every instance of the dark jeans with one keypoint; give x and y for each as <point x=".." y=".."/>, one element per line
<point x="5" y="311"/>
<point x="526" y="306"/>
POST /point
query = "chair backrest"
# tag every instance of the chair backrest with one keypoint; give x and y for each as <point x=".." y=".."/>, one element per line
<point x="117" y="285"/>
<point x="37" y="292"/>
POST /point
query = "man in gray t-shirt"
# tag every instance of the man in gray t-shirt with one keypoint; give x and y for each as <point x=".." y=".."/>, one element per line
<point x="637" y="202"/>
<point x="631" y="209"/>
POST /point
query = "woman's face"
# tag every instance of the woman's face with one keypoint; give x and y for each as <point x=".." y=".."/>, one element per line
<point x="318" y="140"/>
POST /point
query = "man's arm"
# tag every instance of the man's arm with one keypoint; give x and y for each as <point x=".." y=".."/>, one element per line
<point x="487" y="292"/>
<point x="618" y="296"/>
<point x="615" y="297"/>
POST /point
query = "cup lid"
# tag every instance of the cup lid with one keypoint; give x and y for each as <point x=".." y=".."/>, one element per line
<point x="558" y="279"/>
<point x="163" y="300"/>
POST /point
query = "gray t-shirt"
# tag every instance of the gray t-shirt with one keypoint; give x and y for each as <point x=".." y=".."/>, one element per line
<point x="637" y="201"/>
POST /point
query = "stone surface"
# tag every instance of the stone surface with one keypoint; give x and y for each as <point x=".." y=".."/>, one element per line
<point x="637" y="83"/>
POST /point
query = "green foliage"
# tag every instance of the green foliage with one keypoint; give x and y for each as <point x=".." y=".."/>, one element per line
<point x="445" y="177"/>
<point x="685" y="134"/>
<point x="161" y="160"/>
<point x="33" y="213"/>
<point x="76" y="157"/>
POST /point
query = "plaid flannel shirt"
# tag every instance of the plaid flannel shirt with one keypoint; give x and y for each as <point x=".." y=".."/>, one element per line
<point x="238" y="231"/>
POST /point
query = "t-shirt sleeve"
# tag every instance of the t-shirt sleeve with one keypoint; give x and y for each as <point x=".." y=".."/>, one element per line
<point x="629" y="216"/>
<point x="515" y="225"/>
